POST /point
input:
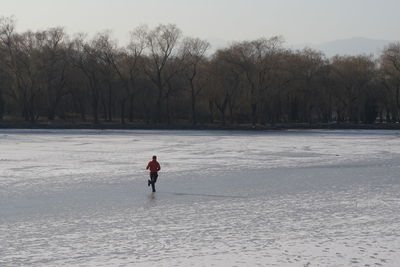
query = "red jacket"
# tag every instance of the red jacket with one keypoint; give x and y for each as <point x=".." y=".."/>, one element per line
<point x="153" y="165"/>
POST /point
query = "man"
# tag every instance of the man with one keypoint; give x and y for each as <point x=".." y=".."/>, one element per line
<point x="154" y="167"/>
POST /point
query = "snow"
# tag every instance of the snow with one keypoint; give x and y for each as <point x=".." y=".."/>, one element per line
<point x="293" y="198"/>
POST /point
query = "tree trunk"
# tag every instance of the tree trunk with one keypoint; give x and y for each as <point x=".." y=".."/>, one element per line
<point x="168" y="110"/>
<point x="211" y="109"/>
<point x="158" y="106"/>
<point x="230" y="105"/>
<point x="2" y="104"/>
<point x="95" y="105"/>
<point x="194" y="119"/>
<point x="109" y="103"/>
<point x="254" y="114"/>
<point x="397" y="98"/>
<point x="123" y="111"/>
<point x="82" y="110"/>
<point x="131" y="98"/>
<point x="222" y="109"/>
<point x="31" y="105"/>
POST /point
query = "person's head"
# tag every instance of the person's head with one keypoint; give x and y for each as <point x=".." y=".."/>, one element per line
<point x="154" y="157"/>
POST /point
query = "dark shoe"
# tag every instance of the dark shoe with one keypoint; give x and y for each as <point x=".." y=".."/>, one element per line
<point x="148" y="183"/>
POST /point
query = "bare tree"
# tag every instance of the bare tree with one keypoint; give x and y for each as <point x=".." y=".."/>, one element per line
<point x="352" y="77"/>
<point x="390" y="67"/>
<point x="131" y="64"/>
<point x="7" y="25"/>
<point x="223" y="84"/>
<point x="193" y="53"/>
<point x="306" y="91"/>
<point x="162" y="77"/>
<point x="86" y="59"/>
<point x="54" y="61"/>
<point x="254" y="60"/>
<point x="8" y="39"/>
<point x="27" y="74"/>
<point x="108" y="55"/>
<point x="162" y="44"/>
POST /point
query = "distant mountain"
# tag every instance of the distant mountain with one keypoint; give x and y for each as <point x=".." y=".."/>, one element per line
<point x="352" y="46"/>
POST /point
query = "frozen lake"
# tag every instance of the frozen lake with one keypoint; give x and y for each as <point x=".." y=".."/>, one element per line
<point x="293" y="198"/>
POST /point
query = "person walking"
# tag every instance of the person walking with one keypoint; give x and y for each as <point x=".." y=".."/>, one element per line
<point x="154" y="167"/>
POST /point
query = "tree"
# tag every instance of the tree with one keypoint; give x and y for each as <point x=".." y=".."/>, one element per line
<point x="307" y="95"/>
<point x="162" y="45"/>
<point x="390" y="67"/>
<point x="161" y="76"/>
<point x="7" y="26"/>
<point x="86" y="59"/>
<point x="132" y="63"/>
<point x="25" y="58"/>
<point x="108" y="55"/>
<point x="54" y="61"/>
<point x="223" y="86"/>
<point x="352" y="77"/>
<point x="254" y="58"/>
<point x="193" y="54"/>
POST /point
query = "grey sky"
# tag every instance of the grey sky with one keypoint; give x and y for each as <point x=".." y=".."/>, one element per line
<point x="298" y="21"/>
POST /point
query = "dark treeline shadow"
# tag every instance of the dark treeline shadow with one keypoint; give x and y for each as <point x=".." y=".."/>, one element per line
<point x="163" y="77"/>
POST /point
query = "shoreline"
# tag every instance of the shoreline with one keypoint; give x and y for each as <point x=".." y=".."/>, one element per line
<point x="183" y="126"/>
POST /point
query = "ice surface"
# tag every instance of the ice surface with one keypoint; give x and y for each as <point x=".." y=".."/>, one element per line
<point x="294" y="198"/>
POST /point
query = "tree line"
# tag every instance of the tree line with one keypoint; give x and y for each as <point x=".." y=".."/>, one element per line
<point x="161" y="76"/>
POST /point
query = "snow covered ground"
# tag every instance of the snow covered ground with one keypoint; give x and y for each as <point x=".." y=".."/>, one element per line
<point x="293" y="198"/>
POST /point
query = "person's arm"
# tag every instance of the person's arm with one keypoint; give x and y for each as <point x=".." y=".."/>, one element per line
<point x="158" y="166"/>
<point x="148" y="166"/>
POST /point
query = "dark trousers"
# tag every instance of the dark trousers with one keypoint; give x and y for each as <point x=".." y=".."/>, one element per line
<point x="153" y="180"/>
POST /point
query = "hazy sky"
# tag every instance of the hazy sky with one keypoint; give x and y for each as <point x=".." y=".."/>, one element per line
<point x="298" y="21"/>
